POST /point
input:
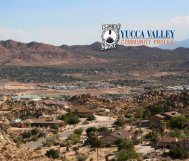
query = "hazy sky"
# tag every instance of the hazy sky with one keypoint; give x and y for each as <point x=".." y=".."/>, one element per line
<point x="79" y="21"/>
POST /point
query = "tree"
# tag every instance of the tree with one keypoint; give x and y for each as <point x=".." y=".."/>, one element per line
<point x="178" y="122"/>
<point x="124" y="144"/>
<point x="125" y="155"/>
<point x="139" y="112"/>
<point x="51" y="140"/>
<point x="54" y="126"/>
<point x="103" y="129"/>
<point x="92" y="137"/>
<point x="26" y="134"/>
<point x="70" y="118"/>
<point x="178" y="152"/>
<point x="73" y="139"/>
<point x="35" y="131"/>
<point x="162" y="127"/>
<point x="91" y="118"/>
<point x="91" y="130"/>
<point x="52" y="153"/>
<point x="157" y="109"/>
<point x="176" y="133"/>
<point x="120" y="122"/>
<point x="154" y="136"/>
<point x="78" y="131"/>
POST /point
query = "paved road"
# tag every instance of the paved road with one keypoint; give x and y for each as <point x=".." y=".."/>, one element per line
<point x="38" y="143"/>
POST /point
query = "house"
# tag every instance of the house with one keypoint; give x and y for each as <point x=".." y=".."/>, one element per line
<point x="169" y="142"/>
<point x="156" y="119"/>
<point x="143" y="123"/>
<point x="109" y="139"/>
<point x="43" y="122"/>
<point x="171" y="114"/>
<point x="82" y="110"/>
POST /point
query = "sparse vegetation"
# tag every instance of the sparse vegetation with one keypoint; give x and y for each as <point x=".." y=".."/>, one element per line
<point x="179" y="122"/>
<point x="53" y="154"/>
<point x="70" y="118"/>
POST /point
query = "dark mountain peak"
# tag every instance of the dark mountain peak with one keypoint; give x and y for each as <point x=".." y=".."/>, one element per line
<point x="95" y="46"/>
<point x="64" y="46"/>
<point x="33" y="44"/>
<point x="9" y="43"/>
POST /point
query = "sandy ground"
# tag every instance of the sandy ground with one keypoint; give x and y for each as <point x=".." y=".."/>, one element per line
<point x="144" y="148"/>
<point x="85" y="151"/>
<point x="16" y="85"/>
<point x="31" y="88"/>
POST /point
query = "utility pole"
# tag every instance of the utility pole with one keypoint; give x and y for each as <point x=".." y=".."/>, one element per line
<point x="97" y="152"/>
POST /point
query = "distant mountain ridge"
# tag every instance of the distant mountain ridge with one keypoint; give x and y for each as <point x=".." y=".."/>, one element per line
<point x="177" y="44"/>
<point x="40" y="54"/>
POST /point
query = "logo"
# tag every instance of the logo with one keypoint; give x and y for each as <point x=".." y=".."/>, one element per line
<point x="110" y="36"/>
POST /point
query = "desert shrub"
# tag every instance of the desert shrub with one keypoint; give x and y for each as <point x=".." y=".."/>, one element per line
<point x="178" y="122"/>
<point x="120" y="122"/>
<point x="178" y="152"/>
<point x="70" y="118"/>
<point x="78" y="131"/>
<point x="52" y="153"/>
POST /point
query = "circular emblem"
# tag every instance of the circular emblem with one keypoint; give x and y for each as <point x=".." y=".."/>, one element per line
<point x="110" y="35"/>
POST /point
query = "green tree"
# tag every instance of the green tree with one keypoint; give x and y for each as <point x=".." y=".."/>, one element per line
<point x="78" y="131"/>
<point x="51" y="140"/>
<point x="92" y="137"/>
<point x="26" y="134"/>
<point x="158" y="109"/>
<point x="91" y="118"/>
<point x="35" y="131"/>
<point x="178" y="152"/>
<point x="70" y="118"/>
<point x="91" y="130"/>
<point x="162" y="127"/>
<point x="54" y="126"/>
<point x="125" y="155"/>
<point x="120" y="122"/>
<point x="177" y="133"/>
<point x="73" y="139"/>
<point x="52" y="153"/>
<point x="103" y="129"/>
<point x="124" y="144"/>
<point x="178" y="122"/>
<point x="154" y="136"/>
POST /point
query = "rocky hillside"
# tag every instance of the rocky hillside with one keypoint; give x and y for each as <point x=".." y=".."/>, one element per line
<point x="10" y="151"/>
<point x="128" y="58"/>
<point x="37" y="54"/>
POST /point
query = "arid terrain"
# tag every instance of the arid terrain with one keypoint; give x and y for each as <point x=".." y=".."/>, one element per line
<point x="82" y="104"/>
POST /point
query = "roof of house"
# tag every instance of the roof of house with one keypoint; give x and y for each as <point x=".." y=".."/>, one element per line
<point x="120" y="134"/>
<point x="172" y="114"/>
<point x="81" y="109"/>
<point x="167" y="139"/>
